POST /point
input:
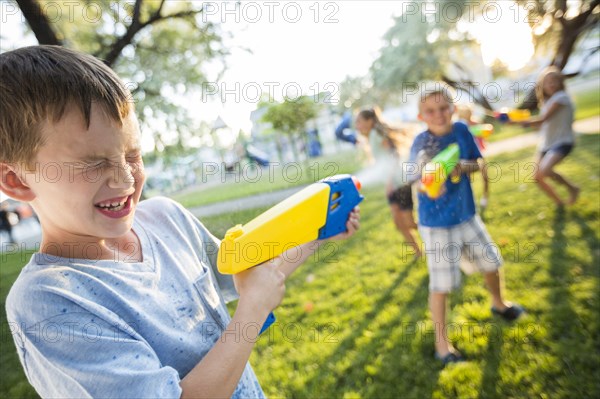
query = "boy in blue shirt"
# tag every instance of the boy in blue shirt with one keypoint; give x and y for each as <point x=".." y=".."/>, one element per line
<point x="448" y="225"/>
<point x="122" y="298"/>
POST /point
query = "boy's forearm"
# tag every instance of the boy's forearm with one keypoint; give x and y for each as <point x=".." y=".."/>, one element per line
<point x="218" y="373"/>
<point x="290" y="260"/>
<point x="468" y="167"/>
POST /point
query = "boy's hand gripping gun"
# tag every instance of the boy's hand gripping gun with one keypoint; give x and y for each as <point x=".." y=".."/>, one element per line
<point x="436" y="172"/>
<point x="319" y="211"/>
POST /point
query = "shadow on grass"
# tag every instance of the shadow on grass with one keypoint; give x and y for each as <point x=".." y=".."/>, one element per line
<point x="380" y="366"/>
<point x="564" y="326"/>
<point x="589" y="236"/>
<point x="492" y="359"/>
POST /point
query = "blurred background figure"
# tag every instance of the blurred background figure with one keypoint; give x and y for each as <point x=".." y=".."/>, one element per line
<point x="344" y="131"/>
<point x="8" y="219"/>
<point x="385" y="147"/>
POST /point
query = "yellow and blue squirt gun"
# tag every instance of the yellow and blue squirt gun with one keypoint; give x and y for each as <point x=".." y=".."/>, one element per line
<point x="319" y="211"/>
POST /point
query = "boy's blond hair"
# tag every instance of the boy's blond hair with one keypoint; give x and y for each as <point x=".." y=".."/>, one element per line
<point x="432" y="89"/>
<point x="39" y="83"/>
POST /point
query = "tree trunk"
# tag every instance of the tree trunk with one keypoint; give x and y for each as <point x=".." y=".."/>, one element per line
<point x="38" y="22"/>
<point x="278" y="147"/>
<point x="293" y="143"/>
<point x="568" y="38"/>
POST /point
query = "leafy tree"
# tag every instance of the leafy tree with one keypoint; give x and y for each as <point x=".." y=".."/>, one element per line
<point x="416" y="47"/>
<point x="358" y="92"/>
<point x="290" y="117"/>
<point x="157" y="47"/>
<point x="558" y="25"/>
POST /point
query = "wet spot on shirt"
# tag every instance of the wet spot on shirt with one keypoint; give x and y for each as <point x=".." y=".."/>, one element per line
<point x="114" y="357"/>
<point x="137" y="356"/>
<point x="64" y="310"/>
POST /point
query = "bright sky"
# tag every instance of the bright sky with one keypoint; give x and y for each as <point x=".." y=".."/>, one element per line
<point x="329" y="41"/>
<point x="504" y="34"/>
<point x="311" y="46"/>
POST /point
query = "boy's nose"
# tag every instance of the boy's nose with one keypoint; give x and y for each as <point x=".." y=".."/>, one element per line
<point x="121" y="176"/>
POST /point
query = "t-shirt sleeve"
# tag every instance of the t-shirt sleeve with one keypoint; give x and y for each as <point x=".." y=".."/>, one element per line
<point x="468" y="148"/>
<point x="560" y="97"/>
<point x="78" y="354"/>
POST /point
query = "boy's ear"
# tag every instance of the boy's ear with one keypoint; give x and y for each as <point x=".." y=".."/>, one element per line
<point x="12" y="184"/>
<point x="419" y="117"/>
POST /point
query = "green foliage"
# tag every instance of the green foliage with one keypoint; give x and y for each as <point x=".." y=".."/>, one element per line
<point x="551" y="20"/>
<point x="416" y="48"/>
<point x="358" y="92"/>
<point x="290" y="116"/>
<point x="179" y="41"/>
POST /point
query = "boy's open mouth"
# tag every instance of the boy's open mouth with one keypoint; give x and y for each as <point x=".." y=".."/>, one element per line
<point x="115" y="207"/>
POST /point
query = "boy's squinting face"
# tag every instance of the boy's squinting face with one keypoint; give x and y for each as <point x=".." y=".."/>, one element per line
<point x="88" y="181"/>
<point x="436" y="112"/>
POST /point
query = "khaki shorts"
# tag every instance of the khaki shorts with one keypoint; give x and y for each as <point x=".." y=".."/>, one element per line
<point x="466" y="246"/>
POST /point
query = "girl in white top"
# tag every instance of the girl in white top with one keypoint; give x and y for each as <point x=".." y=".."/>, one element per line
<point x="384" y="145"/>
<point x="556" y="130"/>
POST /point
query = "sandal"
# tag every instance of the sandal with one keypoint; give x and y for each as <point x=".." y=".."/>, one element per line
<point x="450" y="357"/>
<point x="511" y="313"/>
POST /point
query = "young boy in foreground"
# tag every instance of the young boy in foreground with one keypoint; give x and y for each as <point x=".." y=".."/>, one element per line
<point x="448" y="225"/>
<point x="121" y="299"/>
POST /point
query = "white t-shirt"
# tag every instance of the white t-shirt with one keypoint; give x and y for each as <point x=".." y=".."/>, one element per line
<point x="388" y="162"/>
<point x="558" y="129"/>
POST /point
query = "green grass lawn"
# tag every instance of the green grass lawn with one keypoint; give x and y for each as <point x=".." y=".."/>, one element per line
<point x="13" y="383"/>
<point x="587" y="104"/>
<point x="369" y="333"/>
<point x="267" y="179"/>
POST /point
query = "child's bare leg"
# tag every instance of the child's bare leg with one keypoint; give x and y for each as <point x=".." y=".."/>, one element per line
<point x="492" y="280"/>
<point x="437" y="305"/>
<point x="540" y="178"/>
<point x="405" y="223"/>
<point x="547" y="169"/>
